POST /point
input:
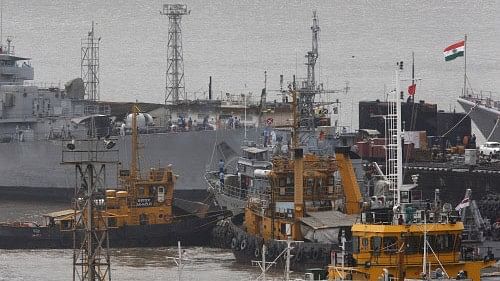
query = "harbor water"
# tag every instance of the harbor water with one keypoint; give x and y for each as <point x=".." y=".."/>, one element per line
<point x="127" y="264"/>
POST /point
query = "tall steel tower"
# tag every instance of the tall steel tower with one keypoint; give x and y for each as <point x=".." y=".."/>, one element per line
<point x="90" y="157"/>
<point x="175" y="86"/>
<point x="90" y="65"/>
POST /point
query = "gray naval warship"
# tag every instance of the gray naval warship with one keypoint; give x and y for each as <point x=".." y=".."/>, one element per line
<point x="35" y="120"/>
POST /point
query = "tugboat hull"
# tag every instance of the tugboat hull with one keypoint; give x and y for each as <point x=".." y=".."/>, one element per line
<point x="191" y="232"/>
<point x="247" y="248"/>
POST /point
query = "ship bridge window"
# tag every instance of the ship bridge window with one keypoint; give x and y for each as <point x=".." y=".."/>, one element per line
<point x="376" y="243"/>
<point x="442" y="242"/>
<point x="458" y="243"/>
<point x="282" y="182"/>
<point x="364" y="244"/>
<point x="152" y="190"/>
<point x="414" y="244"/>
<point x="309" y="182"/>
<point x="112" y="222"/>
<point x="405" y="197"/>
<point x="355" y="244"/>
<point x="390" y="244"/>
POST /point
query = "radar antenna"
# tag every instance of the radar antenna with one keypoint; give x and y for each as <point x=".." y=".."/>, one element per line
<point x="175" y="86"/>
<point x="90" y="65"/>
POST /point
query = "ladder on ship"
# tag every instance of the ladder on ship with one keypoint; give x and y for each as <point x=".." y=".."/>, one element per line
<point x="393" y="130"/>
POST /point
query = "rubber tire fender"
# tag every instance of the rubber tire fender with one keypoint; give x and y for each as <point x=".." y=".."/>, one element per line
<point x="234" y="244"/>
<point x="243" y="244"/>
<point x="256" y="251"/>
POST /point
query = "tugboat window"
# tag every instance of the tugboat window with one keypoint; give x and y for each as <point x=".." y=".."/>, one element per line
<point x="458" y="243"/>
<point x="112" y="222"/>
<point x="282" y="182"/>
<point x="355" y="244"/>
<point x="283" y="229"/>
<point x="143" y="219"/>
<point x="405" y="197"/>
<point x="390" y="244"/>
<point x="376" y="242"/>
<point x="364" y="243"/>
<point x="414" y="244"/>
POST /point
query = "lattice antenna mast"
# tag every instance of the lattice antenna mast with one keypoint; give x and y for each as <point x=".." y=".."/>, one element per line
<point x="312" y="55"/>
<point x="91" y="257"/>
<point x="90" y="65"/>
<point x="394" y="145"/>
<point x="308" y="89"/>
<point x="175" y="86"/>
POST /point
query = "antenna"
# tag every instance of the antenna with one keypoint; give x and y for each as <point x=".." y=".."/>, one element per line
<point x="90" y="65"/>
<point x="312" y="55"/>
<point x="91" y="256"/>
<point x="174" y="85"/>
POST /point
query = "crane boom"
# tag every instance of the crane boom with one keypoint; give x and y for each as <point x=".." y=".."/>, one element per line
<point x="349" y="182"/>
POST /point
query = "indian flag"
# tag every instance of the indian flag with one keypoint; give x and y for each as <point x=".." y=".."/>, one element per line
<point x="454" y="51"/>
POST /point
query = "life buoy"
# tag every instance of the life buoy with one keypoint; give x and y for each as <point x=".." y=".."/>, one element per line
<point x="234" y="243"/>
<point x="243" y="244"/>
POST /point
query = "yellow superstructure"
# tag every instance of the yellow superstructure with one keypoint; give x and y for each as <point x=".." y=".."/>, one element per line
<point x="295" y="184"/>
<point x="399" y="249"/>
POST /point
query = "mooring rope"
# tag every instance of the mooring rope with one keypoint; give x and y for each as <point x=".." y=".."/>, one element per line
<point x="463" y="118"/>
<point x="493" y="130"/>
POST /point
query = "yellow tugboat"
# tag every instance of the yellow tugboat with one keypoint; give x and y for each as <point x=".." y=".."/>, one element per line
<point x="140" y="212"/>
<point x="401" y="238"/>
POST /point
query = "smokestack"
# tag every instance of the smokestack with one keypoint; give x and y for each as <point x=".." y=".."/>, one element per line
<point x="210" y="89"/>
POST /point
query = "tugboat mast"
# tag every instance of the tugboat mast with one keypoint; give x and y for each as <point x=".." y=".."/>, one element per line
<point x="394" y="169"/>
<point x="135" y="146"/>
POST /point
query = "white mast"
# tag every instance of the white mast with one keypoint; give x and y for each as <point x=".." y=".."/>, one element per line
<point x="394" y="155"/>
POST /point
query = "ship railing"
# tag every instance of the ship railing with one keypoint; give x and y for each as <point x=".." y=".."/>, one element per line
<point x="233" y="191"/>
<point x="476" y="253"/>
<point x="43" y="85"/>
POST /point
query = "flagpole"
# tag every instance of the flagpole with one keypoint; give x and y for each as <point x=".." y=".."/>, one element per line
<point x="465" y="65"/>
<point x="413" y="73"/>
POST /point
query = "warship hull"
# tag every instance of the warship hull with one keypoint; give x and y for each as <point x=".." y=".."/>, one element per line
<point x="484" y="117"/>
<point x="191" y="231"/>
<point x="34" y="168"/>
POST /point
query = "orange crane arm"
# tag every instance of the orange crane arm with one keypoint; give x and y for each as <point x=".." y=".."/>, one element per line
<point x="349" y="183"/>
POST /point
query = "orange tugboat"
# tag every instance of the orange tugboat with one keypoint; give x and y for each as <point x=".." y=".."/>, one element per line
<point x="140" y="212"/>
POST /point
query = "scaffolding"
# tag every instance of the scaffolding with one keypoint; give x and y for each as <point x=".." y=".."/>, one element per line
<point x="91" y="257"/>
<point x="174" y="86"/>
<point x="90" y="65"/>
